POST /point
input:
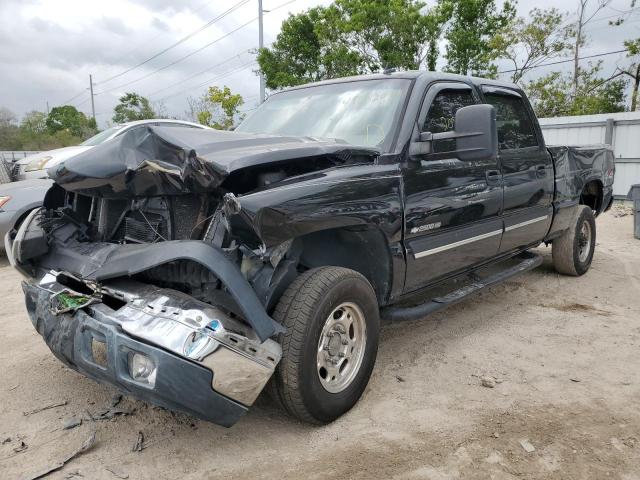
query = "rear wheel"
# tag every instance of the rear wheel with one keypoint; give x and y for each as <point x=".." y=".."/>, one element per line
<point x="328" y="352"/>
<point x="573" y="252"/>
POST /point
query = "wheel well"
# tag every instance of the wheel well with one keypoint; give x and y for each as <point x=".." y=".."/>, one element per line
<point x="591" y="195"/>
<point x="365" y="251"/>
<point x="22" y="217"/>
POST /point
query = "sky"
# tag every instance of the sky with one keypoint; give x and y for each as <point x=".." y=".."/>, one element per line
<point x="48" y="48"/>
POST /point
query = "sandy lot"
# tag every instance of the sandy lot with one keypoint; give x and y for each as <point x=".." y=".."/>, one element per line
<point x="565" y="351"/>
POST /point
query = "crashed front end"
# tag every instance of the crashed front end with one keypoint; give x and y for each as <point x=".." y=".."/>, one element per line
<point x="142" y="271"/>
<point x="97" y="310"/>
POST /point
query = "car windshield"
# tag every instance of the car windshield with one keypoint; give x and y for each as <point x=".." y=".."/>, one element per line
<point x="360" y="112"/>
<point x="101" y="137"/>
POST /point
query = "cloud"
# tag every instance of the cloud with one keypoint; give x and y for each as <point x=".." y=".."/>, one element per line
<point x="48" y="48"/>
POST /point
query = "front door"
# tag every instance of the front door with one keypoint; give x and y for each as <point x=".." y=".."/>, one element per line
<point x="527" y="169"/>
<point x="452" y="207"/>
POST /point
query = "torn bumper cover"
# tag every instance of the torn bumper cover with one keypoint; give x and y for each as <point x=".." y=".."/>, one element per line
<point x="158" y="344"/>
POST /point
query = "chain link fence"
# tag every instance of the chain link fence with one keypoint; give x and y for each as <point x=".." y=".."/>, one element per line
<point x="8" y="165"/>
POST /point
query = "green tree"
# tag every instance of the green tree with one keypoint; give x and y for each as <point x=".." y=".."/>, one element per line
<point x="552" y="95"/>
<point x="382" y="33"/>
<point x="67" y="117"/>
<point x="132" y="107"/>
<point x="9" y="131"/>
<point x="351" y="37"/>
<point x="296" y="56"/>
<point x="528" y="42"/>
<point x="7" y="117"/>
<point x="633" y="70"/>
<point x="577" y="31"/>
<point x="471" y="26"/>
<point x="218" y="108"/>
<point x="34" y="123"/>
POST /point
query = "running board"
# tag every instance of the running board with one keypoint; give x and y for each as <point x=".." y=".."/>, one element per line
<point x="527" y="261"/>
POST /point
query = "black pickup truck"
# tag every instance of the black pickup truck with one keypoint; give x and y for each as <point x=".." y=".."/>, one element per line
<point x="194" y="268"/>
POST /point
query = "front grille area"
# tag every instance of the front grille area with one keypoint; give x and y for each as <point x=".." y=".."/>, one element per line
<point x="141" y="231"/>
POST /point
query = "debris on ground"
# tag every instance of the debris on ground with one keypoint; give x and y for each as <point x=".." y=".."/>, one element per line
<point x="400" y="379"/>
<point x="71" y="422"/>
<point x="116" y="398"/>
<point x="73" y="474"/>
<point x="109" y="413"/>
<point x="617" y="444"/>
<point x="575" y="380"/>
<point x="6" y="440"/>
<point x="46" y="407"/>
<point x="487" y="381"/>
<point x="21" y="447"/>
<point x="527" y="445"/>
<point x="621" y="211"/>
<point x="139" y="445"/>
<point x="117" y="472"/>
<point x="86" y="445"/>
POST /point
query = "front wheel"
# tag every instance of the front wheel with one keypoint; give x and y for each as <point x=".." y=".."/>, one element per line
<point x="572" y="253"/>
<point x="328" y="352"/>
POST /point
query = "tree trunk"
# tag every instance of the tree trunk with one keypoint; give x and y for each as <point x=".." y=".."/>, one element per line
<point x="576" y="51"/>
<point x="634" y="93"/>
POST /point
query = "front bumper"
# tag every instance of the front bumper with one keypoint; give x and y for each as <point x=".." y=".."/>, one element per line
<point x="195" y="371"/>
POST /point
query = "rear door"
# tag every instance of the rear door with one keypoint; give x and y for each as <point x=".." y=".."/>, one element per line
<point x="527" y="170"/>
<point x="452" y="207"/>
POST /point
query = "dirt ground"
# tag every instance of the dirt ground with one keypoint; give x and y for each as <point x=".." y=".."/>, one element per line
<point x="565" y="353"/>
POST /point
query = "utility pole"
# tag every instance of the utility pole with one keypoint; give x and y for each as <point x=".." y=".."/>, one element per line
<point x="93" y="107"/>
<point x="47" y="108"/>
<point x="261" y="45"/>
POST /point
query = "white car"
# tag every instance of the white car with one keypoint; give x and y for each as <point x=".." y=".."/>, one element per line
<point x="35" y="166"/>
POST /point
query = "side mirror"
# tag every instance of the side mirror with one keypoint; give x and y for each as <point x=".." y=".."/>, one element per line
<point x="476" y="133"/>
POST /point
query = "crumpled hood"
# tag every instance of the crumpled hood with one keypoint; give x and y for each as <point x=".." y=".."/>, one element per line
<point x="173" y="160"/>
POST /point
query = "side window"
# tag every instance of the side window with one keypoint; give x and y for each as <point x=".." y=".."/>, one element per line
<point x="515" y="129"/>
<point x="442" y="114"/>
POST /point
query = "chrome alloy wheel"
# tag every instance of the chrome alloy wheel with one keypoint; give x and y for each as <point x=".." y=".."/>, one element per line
<point x="341" y="347"/>
<point x="584" y="242"/>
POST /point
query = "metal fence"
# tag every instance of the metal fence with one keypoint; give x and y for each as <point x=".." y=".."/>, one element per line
<point x="6" y="156"/>
<point x="620" y="130"/>
<point x="8" y="167"/>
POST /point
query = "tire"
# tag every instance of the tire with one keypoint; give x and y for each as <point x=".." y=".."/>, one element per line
<point x="572" y="253"/>
<point x="321" y="304"/>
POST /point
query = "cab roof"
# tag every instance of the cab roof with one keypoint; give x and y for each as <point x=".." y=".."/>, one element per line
<point x="428" y="76"/>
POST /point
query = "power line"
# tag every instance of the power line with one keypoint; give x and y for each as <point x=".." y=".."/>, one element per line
<point x="566" y="61"/>
<point x="179" y="59"/>
<point x="208" y="69"/>
<point x="244" y="25"/>
<point x="155" y="37"/>
<point x="74" y="97"/>
<point x="182" y="40"/>
<point x="217" y="77"/>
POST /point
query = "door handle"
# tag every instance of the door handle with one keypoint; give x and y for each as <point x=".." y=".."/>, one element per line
<point x="541" y="171"/>
<point x="493" y="177"/>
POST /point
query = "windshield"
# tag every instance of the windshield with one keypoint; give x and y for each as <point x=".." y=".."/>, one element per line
<point x="101" y="137"/>
<point x="361" y="113"/>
